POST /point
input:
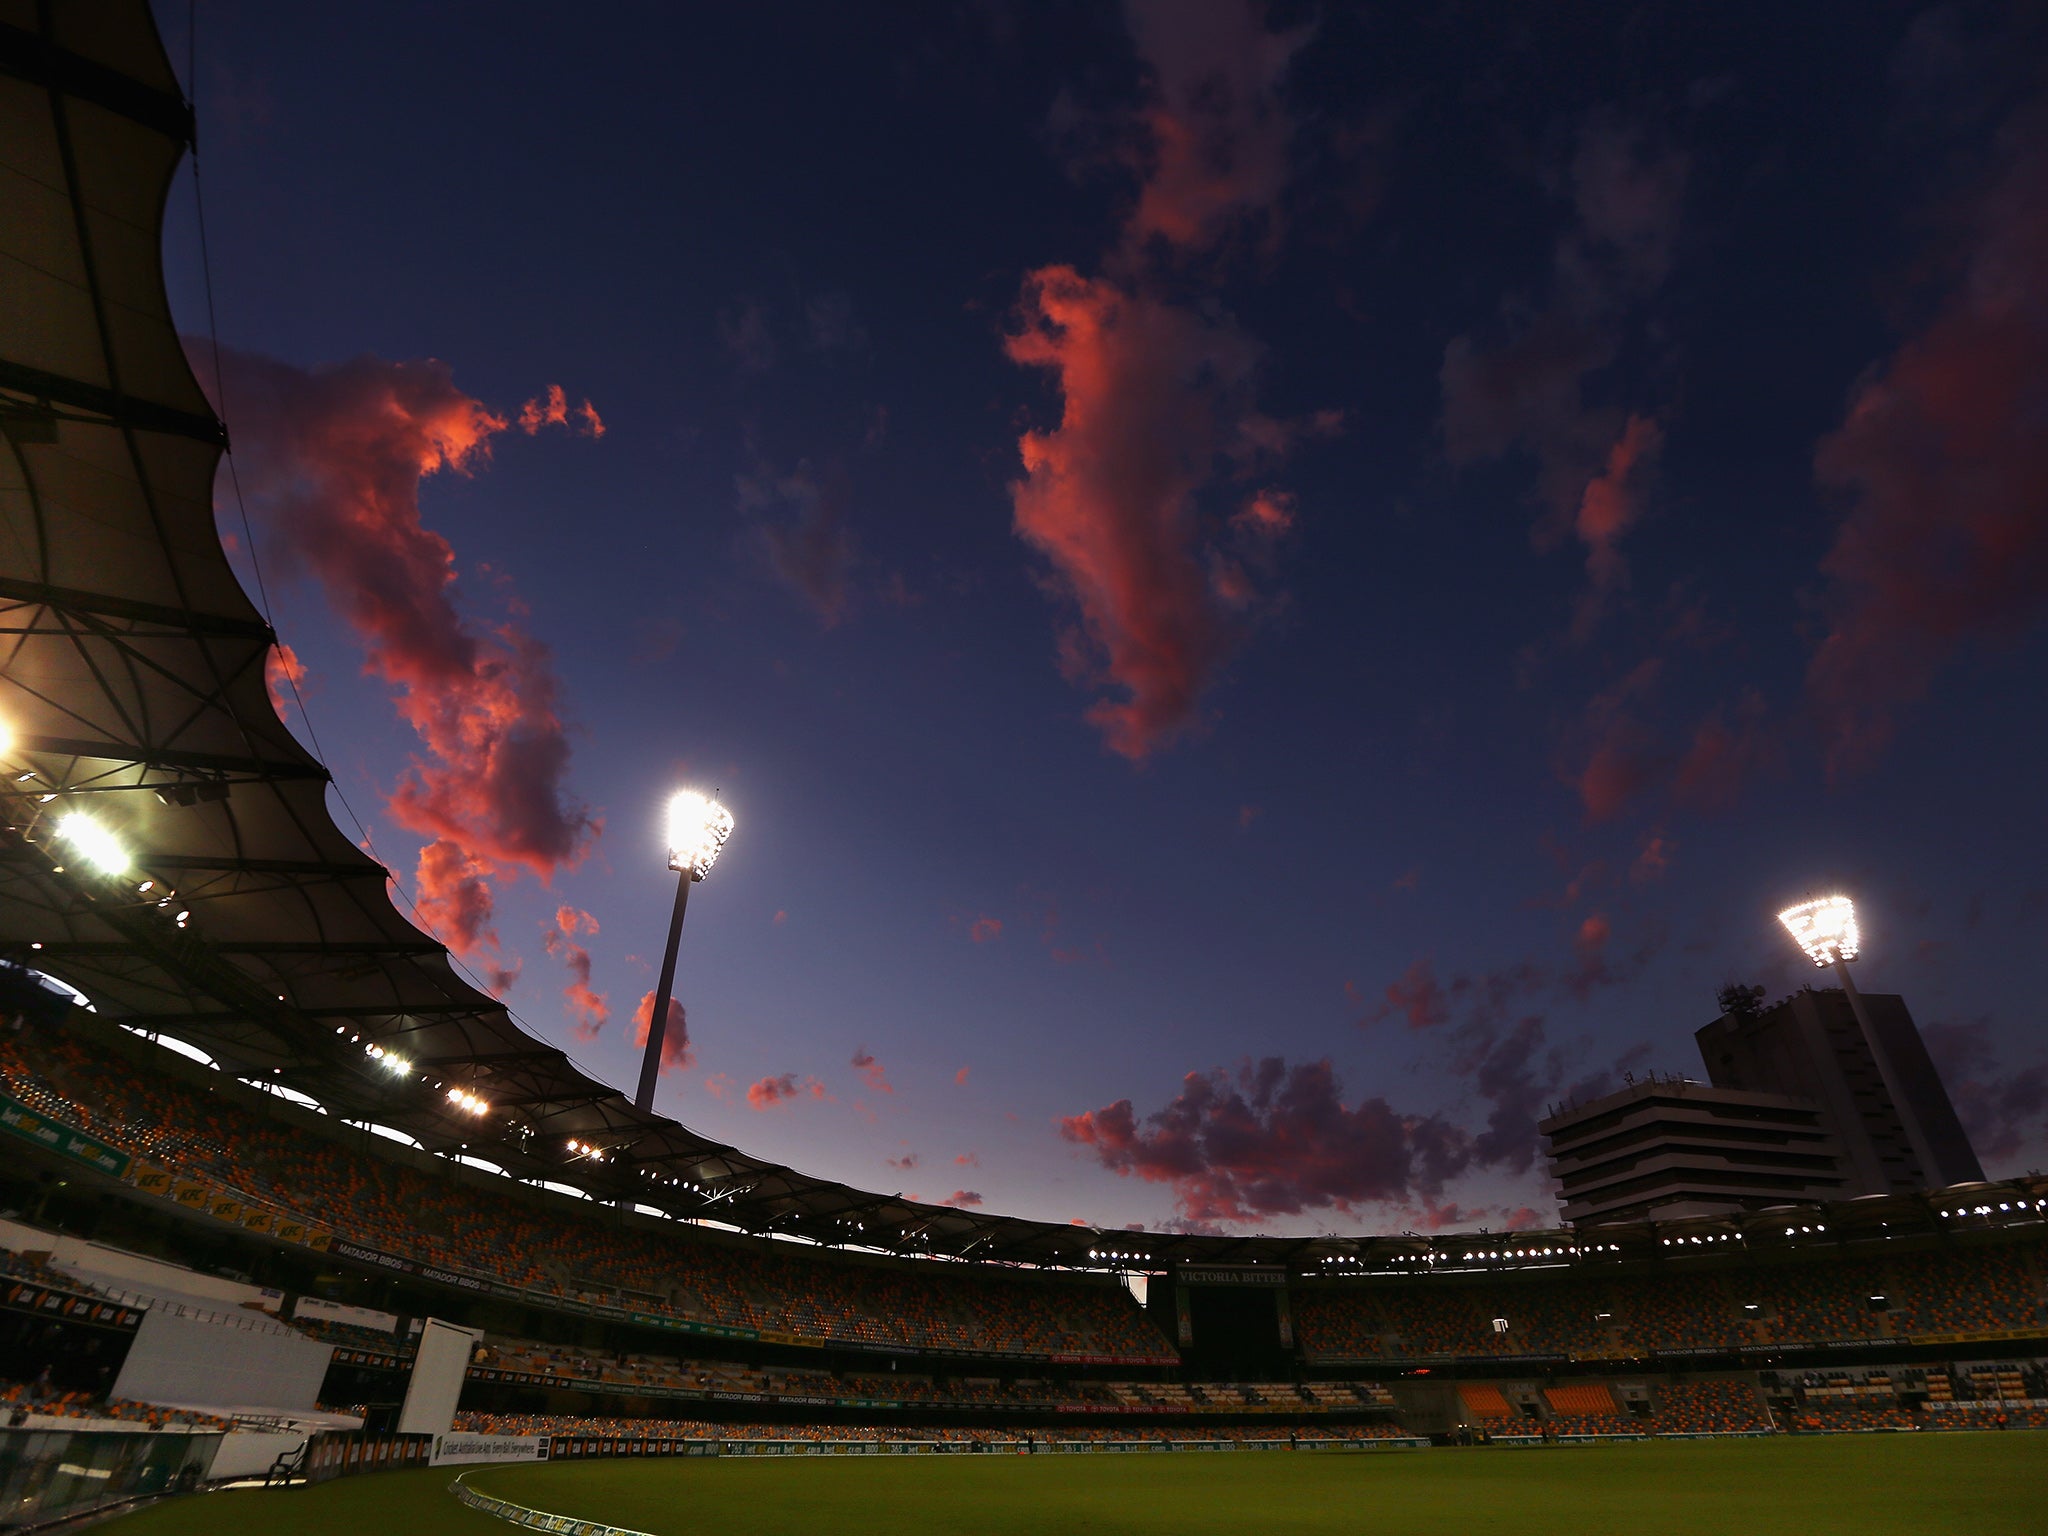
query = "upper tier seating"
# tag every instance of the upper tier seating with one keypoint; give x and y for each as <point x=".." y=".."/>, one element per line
<point x="518" y="1241"/>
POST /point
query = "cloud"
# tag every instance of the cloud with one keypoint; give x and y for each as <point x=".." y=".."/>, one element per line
<point x="1728" y="750"/>
<point x="871" y="1071"/>
<point x="1268" y="514"/>
<point x="589" y="1010"/>
<point x="1216" y="133"/>
<point x="333" y="460"/>
<point x="1526" y="392"/>
<point x="967" y="1160"/>
<point x="905" y="1163"/>
<point x="718" y="1085"/>
<point x="1417" y="996"/>
<point x="743" y="328"/>
<point x="985" y="928"/>
<point x="454" y="896"/>
<point x="553" y="410"/>
<point x="1628" y="197"/>
<point x="1156" y="396"/>
<point x="1613" y="500"/>
<point x="283" y="676"/>
<point x="1624" y="758"/>
<point x="2004" y="1109"/>
<point x="1149" y="394"/>
<point x="1513" y="1068"/>
<point x="773" y="1092"/>
<point x="960" y="1077"/>
<point x="676" y="1053"/>
<point x="810" y="548"/>
<point x="832" y="325"/>
<point x="1272" y="1140"/>
<point x="1653" y="857"/>
<point x="1942" y="464"/>
<point x="962" y="1197"/>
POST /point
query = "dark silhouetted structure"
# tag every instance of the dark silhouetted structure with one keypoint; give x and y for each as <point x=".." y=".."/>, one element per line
<point x="1810" y="1046"/>
<point x="1796" y="1109"/>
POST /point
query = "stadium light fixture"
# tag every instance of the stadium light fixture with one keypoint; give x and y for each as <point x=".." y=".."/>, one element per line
<point x="697" y="829"/>
<point x="1826" y="929"/>
<point x="93" y="842"/>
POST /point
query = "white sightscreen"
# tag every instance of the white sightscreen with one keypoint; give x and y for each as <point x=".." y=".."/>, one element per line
<point x="437" y="1372"/>
<point x="205" y="1360"/>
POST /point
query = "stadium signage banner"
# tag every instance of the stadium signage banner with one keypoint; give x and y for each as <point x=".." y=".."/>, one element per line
<point x="64" y="1140"/>
<point x="25" y="1296"/>
<point x="1230" y="1274"/>
<point x="459" y="1450"/>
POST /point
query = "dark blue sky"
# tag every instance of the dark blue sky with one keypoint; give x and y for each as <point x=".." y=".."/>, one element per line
<point x="1385" y="540"/>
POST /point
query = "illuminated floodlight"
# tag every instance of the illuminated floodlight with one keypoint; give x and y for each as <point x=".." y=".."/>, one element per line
<point x="464" y="1100"/>
<point x="95" y="844"/>
<point x="1825" y="928"/>
<point x="697" y="829"/>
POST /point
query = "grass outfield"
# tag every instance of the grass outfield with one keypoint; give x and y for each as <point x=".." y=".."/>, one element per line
<point x="1871" y="1485"/>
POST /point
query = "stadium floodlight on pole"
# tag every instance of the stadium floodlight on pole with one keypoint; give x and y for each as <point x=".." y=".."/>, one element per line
<point x="697" y="828"/>
<point x="1826" y="929"/>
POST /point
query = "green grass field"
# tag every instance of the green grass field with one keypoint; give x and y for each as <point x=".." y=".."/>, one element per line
<point x="1872" y="1485"/>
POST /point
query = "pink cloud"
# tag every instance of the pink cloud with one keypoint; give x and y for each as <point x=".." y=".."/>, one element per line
<point x="1156" y="398"/>
<point x="871" y="1071"/>
<point x="676" y="1053"/>
<point x="962" y="1197"/>
<point x="1416" y="996"/>
<point x="1216" y="128"/>
<point x="455" y="903"/>
<point x="552" y="410"/>
<point x="773" y="1092"/>
<point x="1612" y="501"/>
<point x="333" y="460"/>
<point x="1149" y="394"/>
<point x="985" y="928"/>
<point x="283" y="675"/>
<point x="1527" y="392"/>
<point x="1272" y="1140"/>
<point x="1942" y="465"/>
<point x="589" y="1009"/>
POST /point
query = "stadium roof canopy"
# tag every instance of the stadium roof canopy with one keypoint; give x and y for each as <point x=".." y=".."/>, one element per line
<point x="132" y="693"/>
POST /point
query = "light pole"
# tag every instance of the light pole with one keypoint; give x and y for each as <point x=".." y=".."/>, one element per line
<point x="1826" y="929"/>
<point x="697" y="828"/>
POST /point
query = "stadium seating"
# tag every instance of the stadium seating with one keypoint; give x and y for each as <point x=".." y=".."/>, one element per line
<point x="1484" y="1401"/>
<point x="556" y="1251"/>
<point x="1710" y="1408"/>
<point x="25" y="1399"/>
<point x="443" y="1222"/>
<point x="580" y="1427"/>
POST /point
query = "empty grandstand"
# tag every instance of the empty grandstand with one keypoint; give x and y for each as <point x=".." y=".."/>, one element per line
<point x="274" y="1160"/>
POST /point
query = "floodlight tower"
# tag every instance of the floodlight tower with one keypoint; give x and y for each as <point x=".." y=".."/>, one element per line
<point x="697" y="828"/>
<point x="1825" y="928"/>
